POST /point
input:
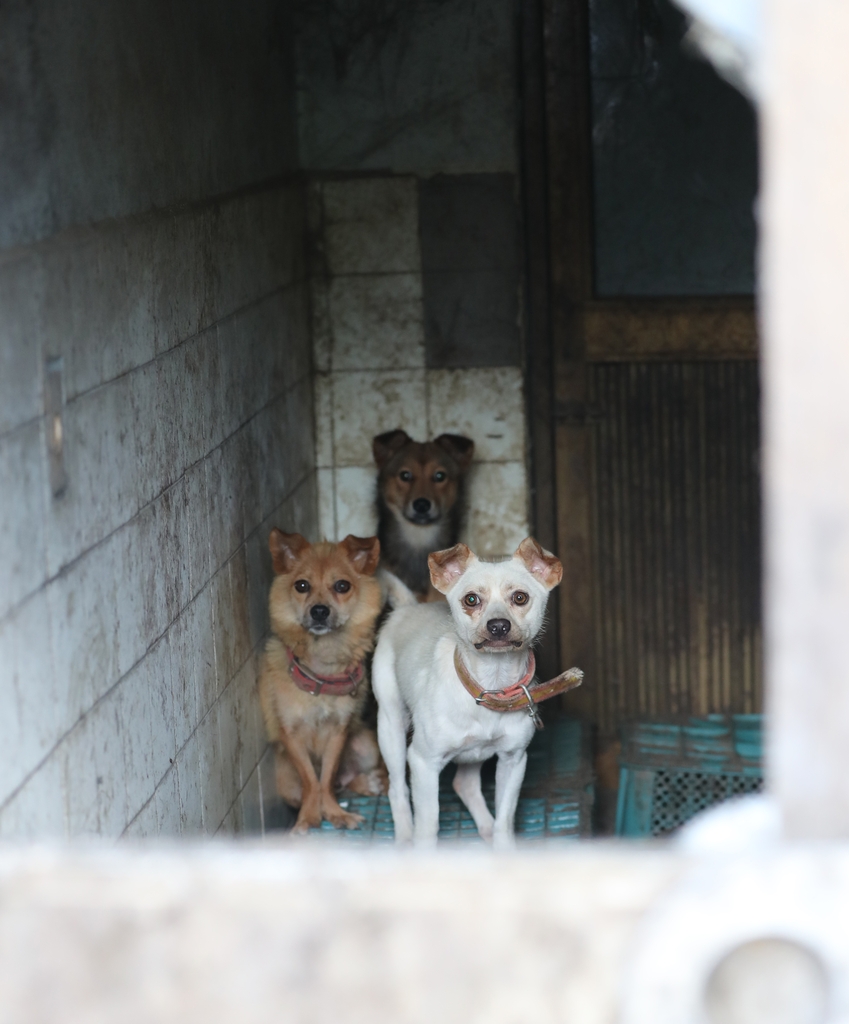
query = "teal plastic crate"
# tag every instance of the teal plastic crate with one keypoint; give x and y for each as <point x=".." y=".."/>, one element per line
<point x="555" y="803"/>
<point x="672" y="770"/>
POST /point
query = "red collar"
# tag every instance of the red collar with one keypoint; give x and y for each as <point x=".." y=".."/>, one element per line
<point x="525" y="694"/>
<point x="332" y="686"/>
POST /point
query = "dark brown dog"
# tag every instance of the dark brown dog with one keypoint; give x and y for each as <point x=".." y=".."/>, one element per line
<point x="419" y="501"/>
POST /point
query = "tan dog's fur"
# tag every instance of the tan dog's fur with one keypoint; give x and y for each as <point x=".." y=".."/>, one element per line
<point x="321" y="741"/>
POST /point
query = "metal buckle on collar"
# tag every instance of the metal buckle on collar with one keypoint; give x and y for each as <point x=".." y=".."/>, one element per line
<point x="532" y="708"/>
<point x="481" y="697"/>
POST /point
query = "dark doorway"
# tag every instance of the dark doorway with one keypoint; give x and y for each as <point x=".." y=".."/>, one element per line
<point x="640" y="179"/>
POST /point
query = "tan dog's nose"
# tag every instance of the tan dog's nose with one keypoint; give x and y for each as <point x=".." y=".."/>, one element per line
<point x="320" y="612"/>
<point x="498" y="628"/>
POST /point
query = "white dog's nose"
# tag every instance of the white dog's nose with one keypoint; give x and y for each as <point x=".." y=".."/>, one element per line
<point x="498" y="627"/>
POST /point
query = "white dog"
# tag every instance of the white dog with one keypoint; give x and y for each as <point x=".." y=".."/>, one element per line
<point x="432" y="668"/>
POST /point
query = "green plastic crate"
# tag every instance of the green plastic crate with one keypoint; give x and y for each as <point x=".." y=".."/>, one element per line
<point x="672" y="770"/>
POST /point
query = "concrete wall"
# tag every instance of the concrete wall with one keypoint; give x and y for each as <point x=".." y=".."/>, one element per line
<point x="370" y="354"/>
<point x="408" y="127"/>
<point x="132" y="602"/>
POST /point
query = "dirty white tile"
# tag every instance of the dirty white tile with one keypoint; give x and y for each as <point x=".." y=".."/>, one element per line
<point x="377" y="322"/>
<point x="371" y="225"/>
<point x="323" y="411"/>
<point x="371" y="402"/>
<point x="497" y="520"/>
<point x="326" y="504"/>
<point x="355" y="501"/>
<point x="485" y="404"/>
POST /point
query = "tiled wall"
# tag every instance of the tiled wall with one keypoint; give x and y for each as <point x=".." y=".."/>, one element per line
<point x="132" y="605"/>
<point x="370" y="304"/>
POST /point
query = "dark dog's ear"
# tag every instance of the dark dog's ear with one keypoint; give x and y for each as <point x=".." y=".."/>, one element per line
<point x="461" y="449"/>
<point x="384" y="446"/>
<point x="363" y="553"/>
<point x="446" y="567"/>
<point x="286" y="549"/>
<point x="546" y="567"/>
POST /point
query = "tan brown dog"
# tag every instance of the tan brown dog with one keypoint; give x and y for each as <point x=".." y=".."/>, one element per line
<point x="324" y="604"/>
<point x="419" y="502"/>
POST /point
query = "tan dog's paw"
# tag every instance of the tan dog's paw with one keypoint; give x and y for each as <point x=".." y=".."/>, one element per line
<point x="308" y="817"/>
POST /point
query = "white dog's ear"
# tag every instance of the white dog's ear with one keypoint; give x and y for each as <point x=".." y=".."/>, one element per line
<point x="541" y="563"/>
<point x="446" y="567"/>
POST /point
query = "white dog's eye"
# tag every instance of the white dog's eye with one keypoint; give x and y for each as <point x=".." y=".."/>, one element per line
<point x="302" y="586"/>
<point x="471" y="600"/>
<point x="520" y="597"/>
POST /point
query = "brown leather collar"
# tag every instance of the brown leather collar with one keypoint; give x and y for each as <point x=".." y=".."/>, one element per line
<point x="524" y="694"/>
<point x="331" y="686"/>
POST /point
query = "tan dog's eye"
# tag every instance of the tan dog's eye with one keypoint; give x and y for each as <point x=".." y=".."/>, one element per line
<point x="520" y="597"/>
<point x="405" y="475"/>
<point x="439" y="476"/>
<point x="471" y="600"/>
<point x="341" y="586"/>
<point x="302" y="586"/>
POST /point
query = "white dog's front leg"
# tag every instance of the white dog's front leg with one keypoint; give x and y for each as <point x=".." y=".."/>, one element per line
<point x="509" y="773"/>
<point x="467" y="785"/>
<point x="424" y="781"/>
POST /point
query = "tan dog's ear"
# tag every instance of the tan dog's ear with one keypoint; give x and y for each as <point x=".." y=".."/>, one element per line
<point x="363" y="553"/>
<point x="446" y="567"/>
<point x="541" y="563"/>
<point x="286" y="549"/>
<point x="461" y="449"/>
<point x="384" y="446"/>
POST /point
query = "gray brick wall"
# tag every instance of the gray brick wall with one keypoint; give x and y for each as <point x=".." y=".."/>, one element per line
<point x="133" y="605"/>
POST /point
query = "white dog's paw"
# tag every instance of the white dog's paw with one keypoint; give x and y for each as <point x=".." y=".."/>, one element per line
<point x="502" y="841"/>
<point x="403" y="824"/>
